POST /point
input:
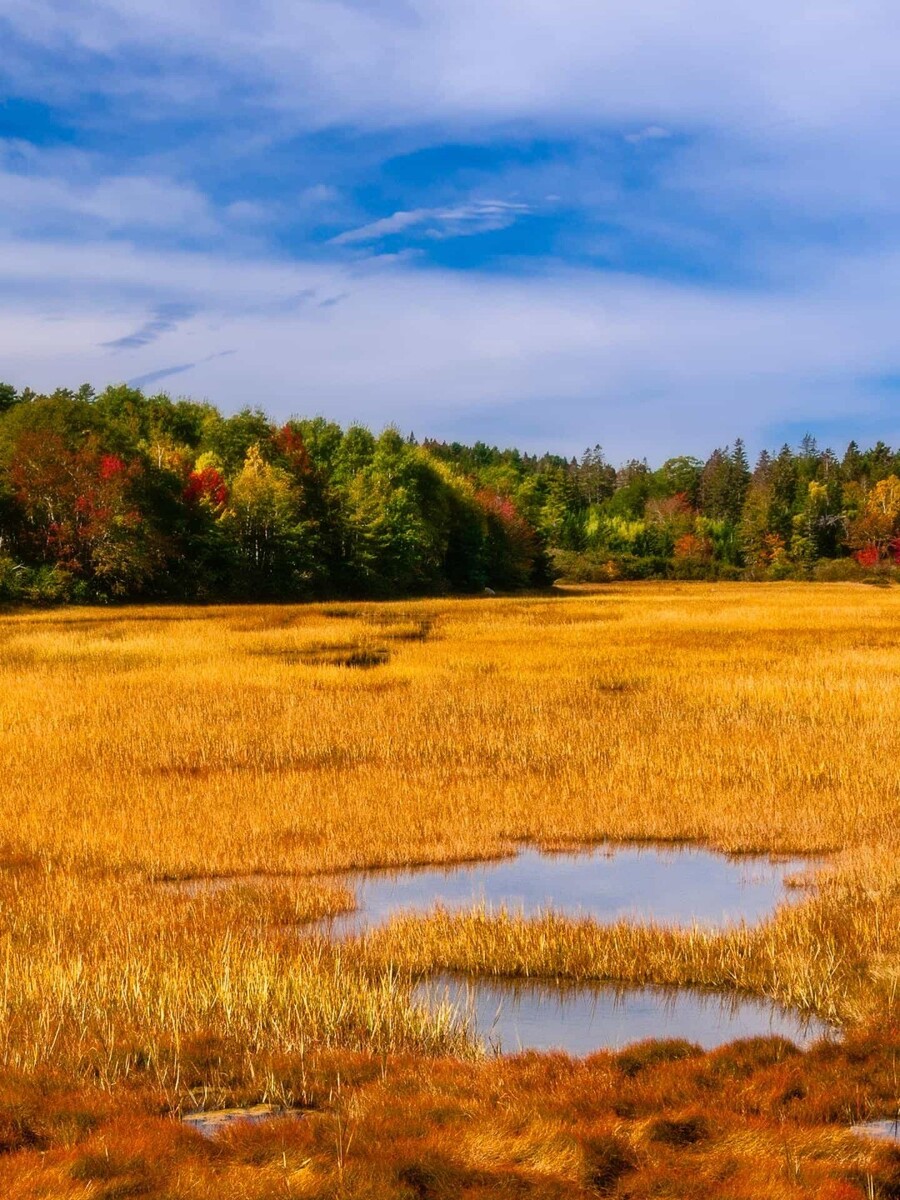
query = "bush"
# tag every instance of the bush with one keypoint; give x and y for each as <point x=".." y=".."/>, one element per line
<point x="10" y="579"/>
<point x="726" y="573"/>
<point x="783" y="569"/>
<point x="838" y="570"/>
<point x="630" y="566"/>
<point x="691" y="569"/>
<point x="52" y="585"/>
<point x="602" y="566"/>
<point x="588" y="567"/>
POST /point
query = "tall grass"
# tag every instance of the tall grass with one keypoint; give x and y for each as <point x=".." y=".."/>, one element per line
<point x="149" y="744"/>
<point x="181" y="785"/>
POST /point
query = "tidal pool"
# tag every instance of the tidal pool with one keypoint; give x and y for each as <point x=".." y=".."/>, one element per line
<point x="511" y="1015"/>
<point x="679" y="885"/>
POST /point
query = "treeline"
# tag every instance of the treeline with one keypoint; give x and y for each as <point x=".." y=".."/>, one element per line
<point x="119" y="494"/>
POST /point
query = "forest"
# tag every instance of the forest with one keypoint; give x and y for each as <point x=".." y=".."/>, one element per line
<point x="119" y="495"/>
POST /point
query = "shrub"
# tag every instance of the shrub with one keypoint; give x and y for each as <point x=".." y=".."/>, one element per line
<point x="838" y="570"/>
<point x="783" y="569"/>
<point x="10" y="579"/>
<point x="726" y="573"/>
<point x="52" y="585"/>
<point x="588" y="567"/>
<point x="631" y="566"/>
<point x="690" y="568"/>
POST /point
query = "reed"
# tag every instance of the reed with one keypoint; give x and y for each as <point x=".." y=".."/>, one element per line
<point x="181" y="786"/>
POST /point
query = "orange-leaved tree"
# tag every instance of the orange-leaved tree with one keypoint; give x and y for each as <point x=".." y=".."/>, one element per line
<point x="874" y="534"/>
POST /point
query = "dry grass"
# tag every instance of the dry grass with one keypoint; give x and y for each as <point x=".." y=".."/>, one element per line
<point x="746" y="1122"/>
<point x="752" y="719"/>
<point x="281" y="744"/>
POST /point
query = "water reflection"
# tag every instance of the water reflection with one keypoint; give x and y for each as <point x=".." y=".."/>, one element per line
<point x="675" y="885"/>
<point x="882" y="1131"/>
<point x="211" y="1124"/>
<point x="510" y="1015"/>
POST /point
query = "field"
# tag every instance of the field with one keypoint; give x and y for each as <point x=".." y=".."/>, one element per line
<point x="271" y="747"/>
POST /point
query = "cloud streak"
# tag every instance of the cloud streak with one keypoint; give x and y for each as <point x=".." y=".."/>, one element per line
<point x="151" y="377"/>
<point x="157" y="376"/>
<point x="165" y="320"/>
<point x="462" y="220"/>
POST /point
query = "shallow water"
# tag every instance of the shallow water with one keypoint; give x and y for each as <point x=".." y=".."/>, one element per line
<point x="510" y="1015"/>
<point x="882" y="1131"/>
<point x="674" y="885"/>
<point x="210" y="1124"/>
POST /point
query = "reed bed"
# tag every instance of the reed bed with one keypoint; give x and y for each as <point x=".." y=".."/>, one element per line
<point x="181" y="786"/>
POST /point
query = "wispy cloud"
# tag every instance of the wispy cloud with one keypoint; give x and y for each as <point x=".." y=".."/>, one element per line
<point x="462" y="220"/>
<point x="643" y="365"/>
<point x="141" y="381"/>
<point x="157" y="376"/>
<point x="166" y="319"/>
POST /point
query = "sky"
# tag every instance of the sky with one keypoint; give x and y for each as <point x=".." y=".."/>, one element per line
<point x="656" y="226"/>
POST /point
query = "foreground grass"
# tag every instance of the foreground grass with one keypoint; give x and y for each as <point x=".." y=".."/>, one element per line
<point x="748" y="1121"/>
<point x="277" y="745"/>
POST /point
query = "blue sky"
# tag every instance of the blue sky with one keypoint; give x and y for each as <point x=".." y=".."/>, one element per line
<point x="655" y="225"/>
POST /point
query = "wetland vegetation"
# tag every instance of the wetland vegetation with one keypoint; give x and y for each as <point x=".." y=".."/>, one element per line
<point x="148" y="751"/>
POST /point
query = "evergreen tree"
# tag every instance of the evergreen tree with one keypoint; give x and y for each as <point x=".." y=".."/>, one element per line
<point x="8" y="397"/>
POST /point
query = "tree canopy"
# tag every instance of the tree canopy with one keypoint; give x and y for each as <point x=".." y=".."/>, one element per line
<point x="118" y="494"/>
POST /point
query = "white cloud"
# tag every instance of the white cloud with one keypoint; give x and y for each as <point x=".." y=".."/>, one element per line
<point x="668" y="61"/>
<point x="643" y="366"/>
<point x="462" y="220"/>
<point x="38" y="188"/>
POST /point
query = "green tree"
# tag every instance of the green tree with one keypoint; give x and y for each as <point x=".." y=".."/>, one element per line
<point x="8" y="397"/>
<point x="400" y="519"/>
<point x="273" y="545"/>
<point x="231" y="439"/>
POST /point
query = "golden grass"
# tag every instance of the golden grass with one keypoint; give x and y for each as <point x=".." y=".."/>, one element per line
<point x="750" y="719"/>
<point x="142" y="746"/>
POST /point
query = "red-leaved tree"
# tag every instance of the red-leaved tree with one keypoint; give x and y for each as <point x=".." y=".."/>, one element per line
<point x="79" y="511"/>
<point x="511" y="544"/>
<point x="206" y="486"/>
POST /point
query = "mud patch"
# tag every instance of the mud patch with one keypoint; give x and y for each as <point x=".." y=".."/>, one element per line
<point x="410" y="629"/>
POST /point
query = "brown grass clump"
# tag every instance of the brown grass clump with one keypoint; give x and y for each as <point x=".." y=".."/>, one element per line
<point x="536" y="1125"/>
